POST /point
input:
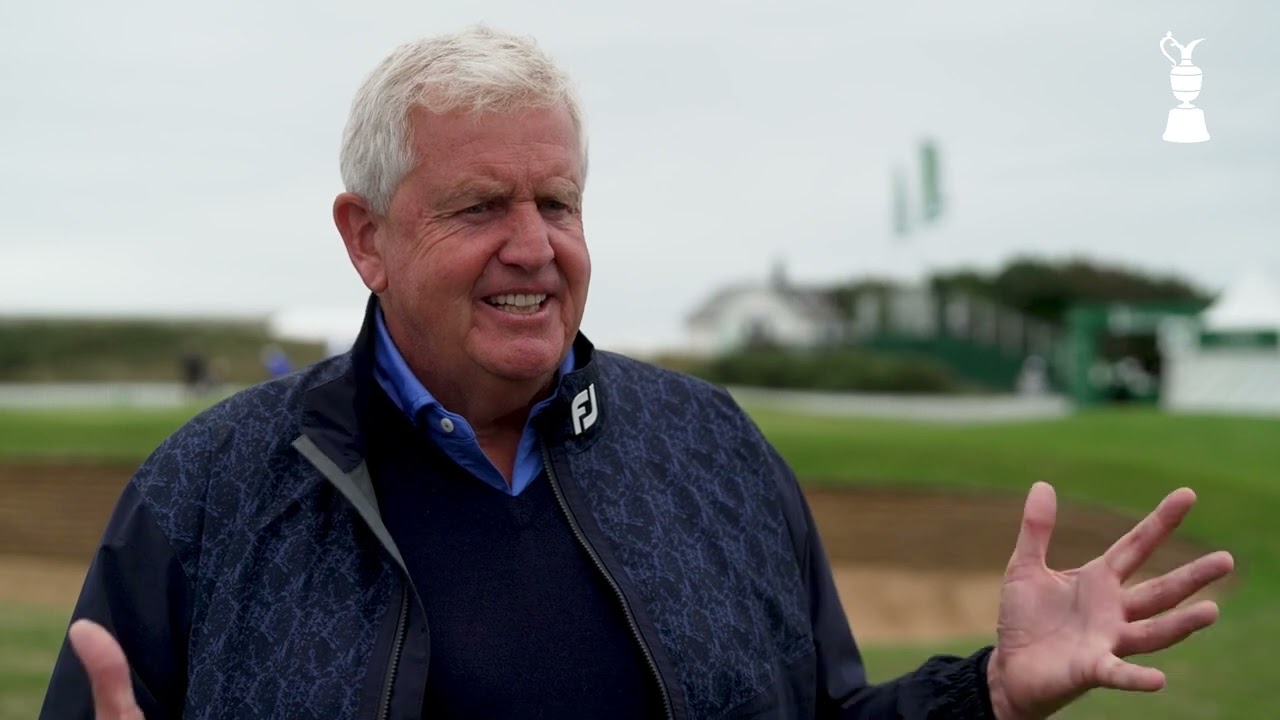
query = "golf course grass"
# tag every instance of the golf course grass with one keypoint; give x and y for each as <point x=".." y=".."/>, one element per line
<point x="1127" y="460"/>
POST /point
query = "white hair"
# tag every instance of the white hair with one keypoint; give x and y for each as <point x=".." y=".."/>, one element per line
<point x="479" y="69"/>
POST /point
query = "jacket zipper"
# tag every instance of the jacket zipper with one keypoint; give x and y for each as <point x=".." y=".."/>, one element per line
<point x="617" y="591"/>
<point x="339" y="481"/>
<point x="384" y="711"/>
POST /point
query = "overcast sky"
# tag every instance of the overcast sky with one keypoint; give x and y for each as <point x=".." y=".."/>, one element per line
<point x="164" y="157"/>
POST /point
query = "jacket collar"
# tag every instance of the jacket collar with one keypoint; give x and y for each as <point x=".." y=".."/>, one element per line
<point x="579" y="409"/>
<point x="336" y="414"/>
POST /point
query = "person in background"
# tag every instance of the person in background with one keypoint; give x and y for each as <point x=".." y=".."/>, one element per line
<point x="194" y="370"/>
<point x="276" y="361"/>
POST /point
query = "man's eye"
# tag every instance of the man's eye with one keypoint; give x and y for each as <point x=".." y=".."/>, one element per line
<point x="478" y="208"/>
<point x="555" y="206"/>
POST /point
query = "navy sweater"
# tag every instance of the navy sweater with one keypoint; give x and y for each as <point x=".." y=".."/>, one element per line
<point x="521" y="623"/>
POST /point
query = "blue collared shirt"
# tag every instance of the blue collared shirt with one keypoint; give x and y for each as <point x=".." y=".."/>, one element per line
<point x="450" y="431"/>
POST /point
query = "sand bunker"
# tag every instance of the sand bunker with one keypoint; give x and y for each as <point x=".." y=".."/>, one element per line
<point x="910" y="565"/>
<point x="923" y="565"/>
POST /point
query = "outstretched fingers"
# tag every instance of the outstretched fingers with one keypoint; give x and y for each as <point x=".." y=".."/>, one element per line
<point x="1038" y="517"/>
<point x="1117" y="674"/>
<point x="1159" y="594"/>
<point x="1157" y="633"/>
<point x="1131" y="551"/>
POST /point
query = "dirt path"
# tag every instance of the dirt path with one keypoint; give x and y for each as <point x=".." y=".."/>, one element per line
<point x="910" y="565"/>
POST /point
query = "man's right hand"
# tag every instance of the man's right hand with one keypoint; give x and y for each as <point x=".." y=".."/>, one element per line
<point x="108" y="671"/>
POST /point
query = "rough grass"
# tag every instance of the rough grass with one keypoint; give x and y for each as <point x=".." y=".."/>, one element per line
<point x="135" y="349"/>
<point x="29" y="642"/>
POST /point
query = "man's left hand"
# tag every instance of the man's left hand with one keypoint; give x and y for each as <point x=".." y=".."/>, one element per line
<point x="1061" y="634"/>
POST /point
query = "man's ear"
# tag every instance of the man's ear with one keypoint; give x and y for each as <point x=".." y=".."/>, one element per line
<point x="359" y="226"/>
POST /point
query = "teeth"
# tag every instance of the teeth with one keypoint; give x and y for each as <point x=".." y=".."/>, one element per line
<point x="519" y="302"/>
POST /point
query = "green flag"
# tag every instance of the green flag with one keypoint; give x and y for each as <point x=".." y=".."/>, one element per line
<point x="932" y="184"/>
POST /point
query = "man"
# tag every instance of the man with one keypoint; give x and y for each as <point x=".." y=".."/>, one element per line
<point x="475" y="513"/>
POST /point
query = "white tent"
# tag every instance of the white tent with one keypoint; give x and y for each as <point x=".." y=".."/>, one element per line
<point x="1227" y="377"/>
<point x="1250" y="305"/>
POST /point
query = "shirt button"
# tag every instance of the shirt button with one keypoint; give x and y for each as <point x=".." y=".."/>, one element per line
<point x="446" y="425"/>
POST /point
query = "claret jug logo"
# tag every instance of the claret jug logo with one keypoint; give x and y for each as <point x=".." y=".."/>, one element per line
<point x="1186" y="122"/>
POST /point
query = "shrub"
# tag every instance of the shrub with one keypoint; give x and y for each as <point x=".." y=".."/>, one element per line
<point x="833" y="370"/>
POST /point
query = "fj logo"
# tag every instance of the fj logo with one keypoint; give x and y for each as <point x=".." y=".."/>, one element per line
<point x="584" y="410"/>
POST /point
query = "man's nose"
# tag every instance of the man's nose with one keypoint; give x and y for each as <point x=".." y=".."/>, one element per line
<point x="528" y="244"/>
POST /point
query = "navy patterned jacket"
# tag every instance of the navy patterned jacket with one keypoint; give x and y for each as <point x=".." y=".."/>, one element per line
<point x="246" y="572"/>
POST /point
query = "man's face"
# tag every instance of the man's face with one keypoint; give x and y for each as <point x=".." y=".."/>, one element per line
<point x="486" y="267"/>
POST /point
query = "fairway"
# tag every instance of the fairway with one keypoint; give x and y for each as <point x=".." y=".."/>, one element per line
<point x="1121" y="462"/>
